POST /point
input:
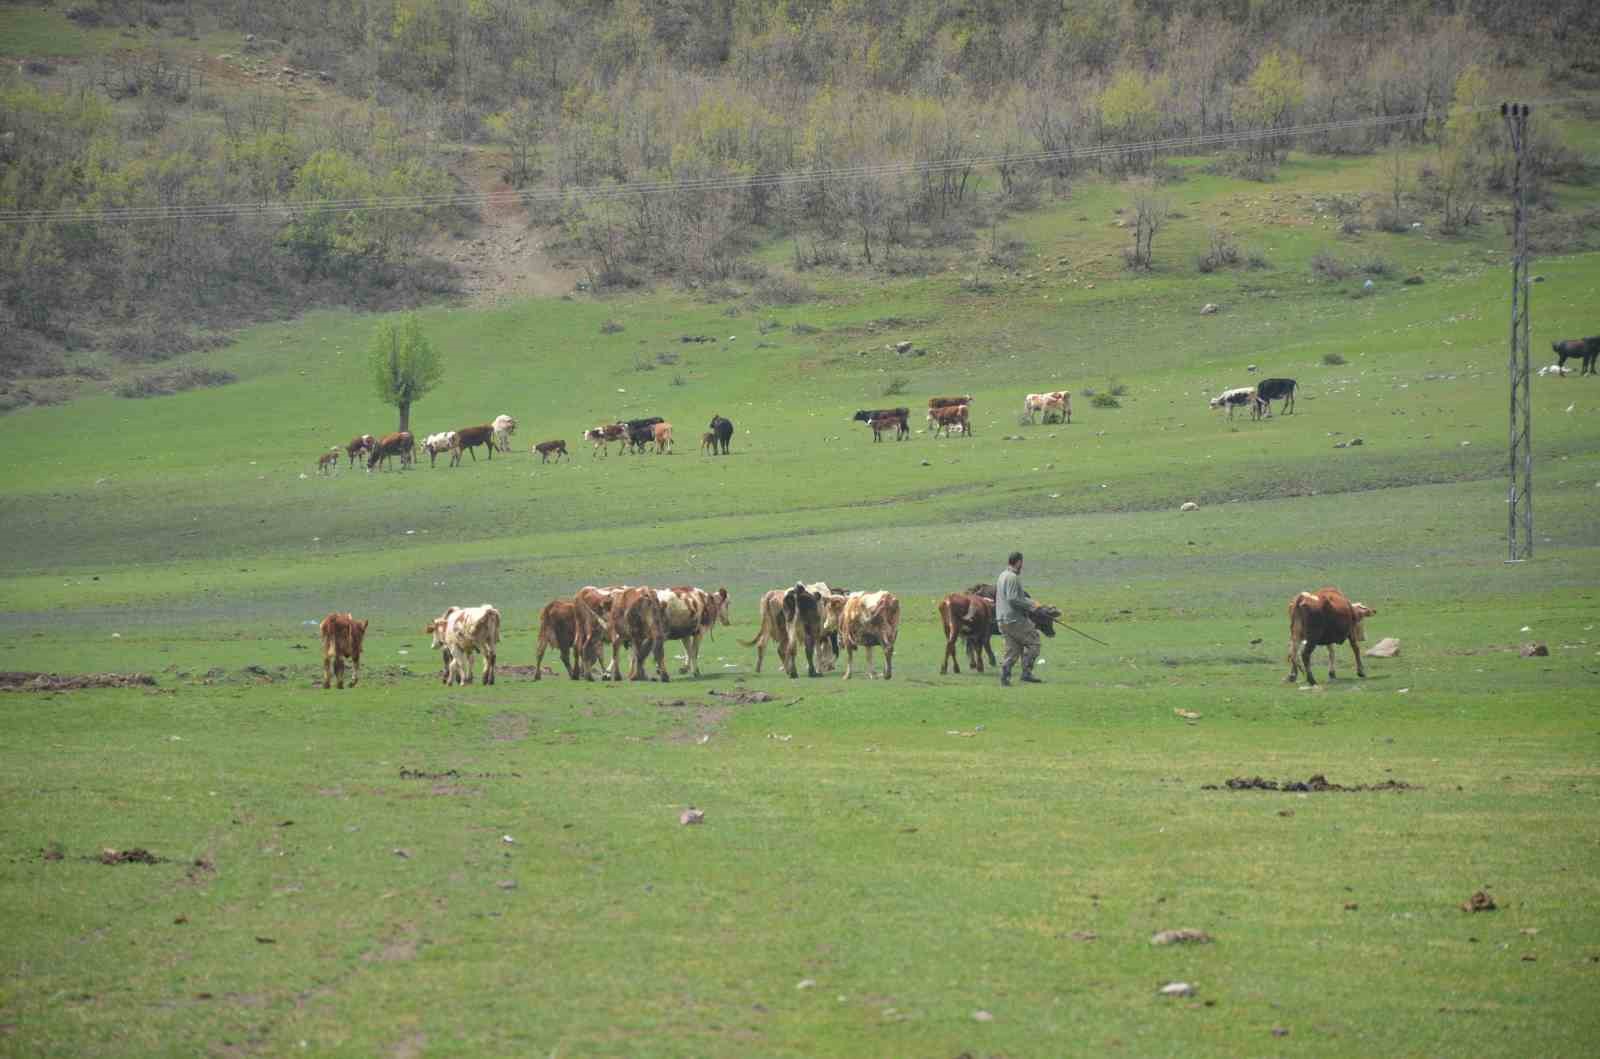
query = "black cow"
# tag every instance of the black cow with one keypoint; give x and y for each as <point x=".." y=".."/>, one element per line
<point x="722" y="430"/>
<point x="1269" y="390"/>
<point x="641" y="432"/>
<point x="1042" y="615"/>
<point x="880" y="418"/>
<point x="1586" y="348"/>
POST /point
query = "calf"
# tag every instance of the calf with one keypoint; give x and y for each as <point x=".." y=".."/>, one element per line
<point x="899" y="418"/>
<point x="1323" y="618"/>
<point x="546" y="449"/>
<point x="462" y="632"/>
<point x="662" y="435"/>
<point x="329" y="461"/>
<point x="574" y="630"/>
<point x="870" y="619"/>
<point x="603" y="436"/>
<point x="970" y="617"/>
<point x="881" y="424"/>
<point x="722" y="429"/>
<point x="469" y="438"/>
<point x="1269" y="390"/>
<point x="341" y="638"/>
<point x="638" y="619"/>
<point x="1586" y="348"/>
<point x="1241" y="395"/>
<point x="356" y="446"/>
<point x="708" y="443"/>
<point x="945" y="417"/>
<point x="399" y="444"/>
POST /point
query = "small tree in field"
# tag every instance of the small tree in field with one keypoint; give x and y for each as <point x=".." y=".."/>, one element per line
<point x="405" y="366"/>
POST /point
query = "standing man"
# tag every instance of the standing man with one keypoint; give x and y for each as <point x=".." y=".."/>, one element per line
<point x="1011" y="607"/>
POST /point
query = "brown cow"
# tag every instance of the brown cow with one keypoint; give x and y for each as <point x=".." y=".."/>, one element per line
<point x="708" y="443"/>
<point x="359" y="444"/>
<point x="341" y="638"/>
<point x="1323" y="618"/>
<point x="638" y="619"/>
<point x="573" y="630"/>
<point x="774" y="628"/>
<point x="870" y="619"/>
<point x="469" y="438"/>
<point x="969" y="617"/>
<point x="949" y="402"/>
<point x="546" y="449"/>
<point x="662" y="434"/>
<point x="329" y="461"/>
<point x="399" y="444"/>
<point x="599" y="603"/>
<point x="881" y="424"/>
<point x="947" y="417"/>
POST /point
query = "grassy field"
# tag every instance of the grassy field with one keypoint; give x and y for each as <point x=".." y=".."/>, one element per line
<point x="932" y="866"/>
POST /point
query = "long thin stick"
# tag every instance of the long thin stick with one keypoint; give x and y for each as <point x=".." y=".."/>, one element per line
<point x="1083" y="634"/>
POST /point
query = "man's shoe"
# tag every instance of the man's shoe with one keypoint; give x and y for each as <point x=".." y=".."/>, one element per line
<point x="1029" y="678"/>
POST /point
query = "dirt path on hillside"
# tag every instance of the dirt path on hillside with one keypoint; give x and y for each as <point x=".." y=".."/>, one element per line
<point x="504" y="257"/>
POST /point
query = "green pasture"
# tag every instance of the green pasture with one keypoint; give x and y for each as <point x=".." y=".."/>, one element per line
<point x="932" y="866"/>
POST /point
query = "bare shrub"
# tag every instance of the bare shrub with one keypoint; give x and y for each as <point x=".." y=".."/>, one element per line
<point x="780" y="290"/>
<point x="1105" y="400"/>
<point x="610" y="327"/>
<point x="1325" y="266"/>
<point x="896" y="386"/>
<point x="803" y="328"/>
<point x="1333" y="360"/>
<point x="1222" y="253"/>
<point x="1376" y="266"/>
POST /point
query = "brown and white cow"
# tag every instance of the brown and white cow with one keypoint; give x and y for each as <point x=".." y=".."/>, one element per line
<point x="462" y="632"/>
<point x="468" y="439"/>
<point x="661" y="433"/>
<point x="949" y="402"/>
<point x="573" y="630"/>
<point x="359" y="445"/>
<point x="967" y="617"/>
<point x="1323" y="618"/>
<point x="557" y="448"/>
<point x="1058" y="402"/>
<point x="602" y="437"/>
<point x="944" y="418"/>
<point x="870" y="619"/>
<point x="399" y="444"/>
<point x="342" y="635"/>
<point x="690" y="615"/>
<point x="794" y="622"/>
<point x="433" y="444"/>
<point x="638" y="620"/>
<point x="599" y="603"/>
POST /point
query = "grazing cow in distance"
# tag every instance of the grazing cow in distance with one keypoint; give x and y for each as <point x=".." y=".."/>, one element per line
<point x="399" y="444"/>
<point x="573" y="630"/>
<point x="462" y="632"/>
<point x="434" y="444"/>
<point x="1323" y="618"/>
<point x="638" y="620"/>
<point x="899" y="418"/>
<point x="1269" y="390"/>
<point x="546" y="449"/>
<point x="944" y="418"/>
<point x="1586" y="348"/>
<point x="949" y="402"/>
<point x="722" y="429"/>
<point x="328" y="462"/>
<point x="468" y="439"/>
<point x="970" y="617"/>
<point x="1058" y="402"/>
<point x="662" y="435"/>
<point x="342" y="635"/>
<point x="1240" y="395"/>
<point x="504" y="426"/>
<point x="870" y="619"/>
<point x="708" y="443"/>
<point x="358" y="445"/>
<point x="602" y="437"/>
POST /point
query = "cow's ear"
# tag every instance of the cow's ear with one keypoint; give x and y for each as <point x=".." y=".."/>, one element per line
<point x="363" y="624"/>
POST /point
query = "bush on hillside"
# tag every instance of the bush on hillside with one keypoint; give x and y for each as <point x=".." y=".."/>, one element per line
<point x="1333" y="360"/>
<point x="896" y="386"/>
<point x="164" y="383"/>
<point x="1105" y="400"/>
<point x="1325" y="266"/>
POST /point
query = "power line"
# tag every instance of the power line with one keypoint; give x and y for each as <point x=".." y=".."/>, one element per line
<point x="631" y="189"/>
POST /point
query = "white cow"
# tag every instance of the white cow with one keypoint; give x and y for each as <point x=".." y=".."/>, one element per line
<point x="434" y="444"/>
<point x="462" y="632"/>
<point x="1056" y="401"/>
<point x="1239" y="395"/>
<point x="504" y="427"/>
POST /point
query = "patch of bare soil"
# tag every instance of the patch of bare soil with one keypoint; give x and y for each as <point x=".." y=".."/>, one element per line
<point x="743" y="698"/>
<point x="1316" y="783"/>
<point x="509" y="727"/>
<point x="455" y="774"/>
<point x="57" y="682"/>
<point x="523" y="672"/>
<point x="504" y="257"/>
<point x="136" y="855"/>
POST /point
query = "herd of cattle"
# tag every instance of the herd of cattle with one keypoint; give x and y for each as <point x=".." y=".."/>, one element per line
<point x="816" y="620"/>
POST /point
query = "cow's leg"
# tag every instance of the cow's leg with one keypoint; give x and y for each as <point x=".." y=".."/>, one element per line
<point x="1306" y="650"/>
<point x="1331" y="674"/>
<point x="1355" y="649"/>
<point x="1294" y="661"/>
<point x="327" y="670"/>
<point x="950" y="634"/>
<point x="488" y="664"/>
<point x="871" y="672"/>
<point x="849" y="657"/>
<point x="338" y="669"/>
<point x="661" y="664"/>
<point x="811" y="650"/>
<point x="888" y="660"/>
